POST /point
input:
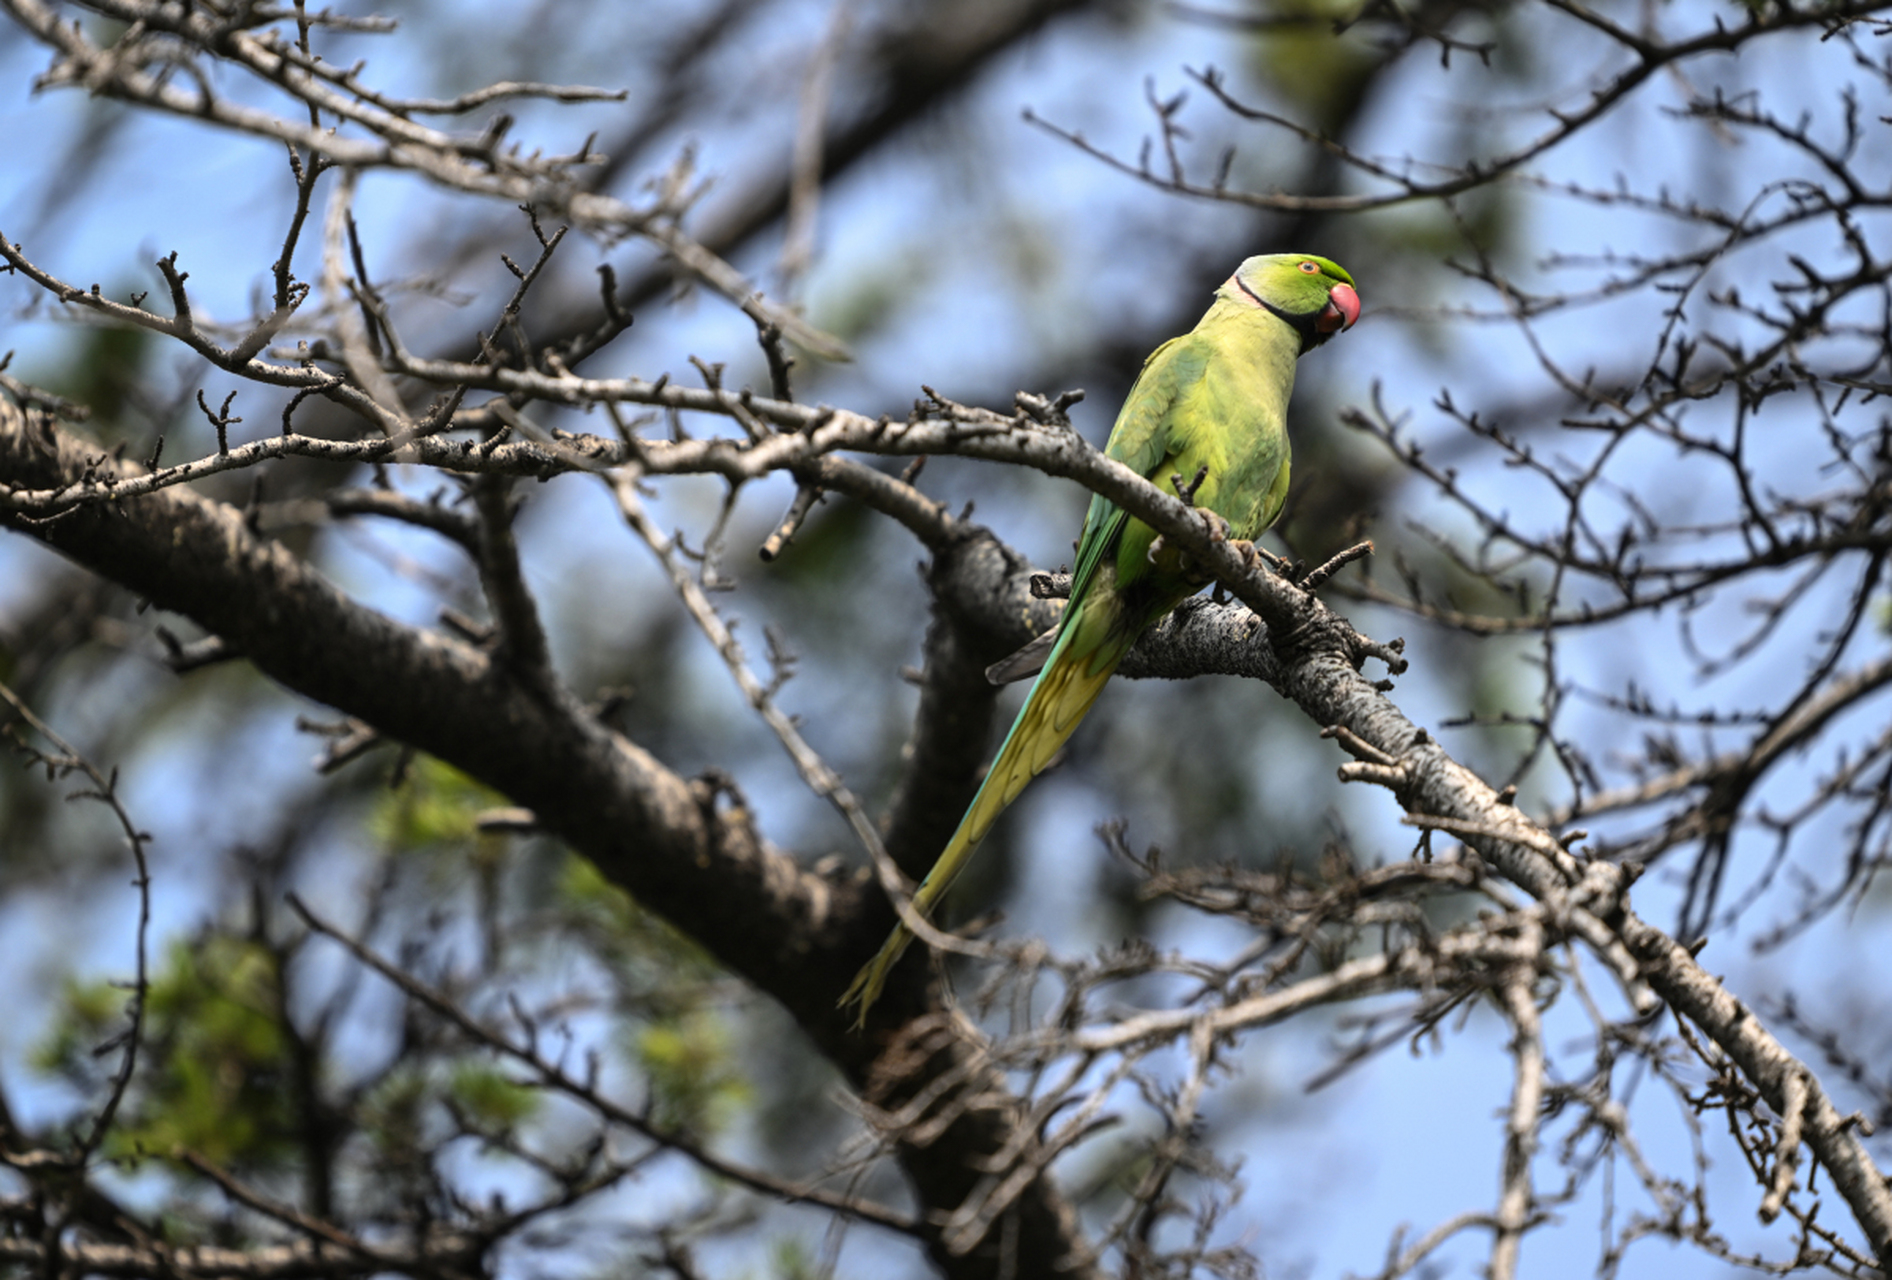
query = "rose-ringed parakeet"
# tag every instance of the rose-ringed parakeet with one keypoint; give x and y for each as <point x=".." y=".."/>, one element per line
<point x="1213" y="401"/>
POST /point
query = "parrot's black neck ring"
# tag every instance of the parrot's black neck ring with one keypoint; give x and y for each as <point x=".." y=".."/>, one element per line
<point x="1301" y="324"/>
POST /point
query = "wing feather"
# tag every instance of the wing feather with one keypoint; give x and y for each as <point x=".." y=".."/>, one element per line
<point x="1142" y="438"/>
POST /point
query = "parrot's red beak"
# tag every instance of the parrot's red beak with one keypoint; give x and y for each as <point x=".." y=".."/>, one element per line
<point x="1342" y="309"/>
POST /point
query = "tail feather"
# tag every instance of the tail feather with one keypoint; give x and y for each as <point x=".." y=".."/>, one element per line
<point x="1065" y="691"/>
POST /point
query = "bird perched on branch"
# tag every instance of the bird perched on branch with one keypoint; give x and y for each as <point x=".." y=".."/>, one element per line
<point x="1210" y="407"/>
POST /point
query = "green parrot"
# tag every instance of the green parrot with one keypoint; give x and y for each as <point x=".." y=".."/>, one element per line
<point x="1211" y="402"/>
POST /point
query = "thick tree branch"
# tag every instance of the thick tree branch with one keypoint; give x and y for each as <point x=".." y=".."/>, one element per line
<point x="793" y="934"/>
<point x="444" y="1254"/>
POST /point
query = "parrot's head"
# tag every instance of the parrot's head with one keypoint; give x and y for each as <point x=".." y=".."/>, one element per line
<point x="1314" y="295"/>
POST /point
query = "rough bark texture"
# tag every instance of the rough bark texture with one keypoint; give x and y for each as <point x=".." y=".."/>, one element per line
<point x="798" y="936"/>
<point x="795" y="935"/>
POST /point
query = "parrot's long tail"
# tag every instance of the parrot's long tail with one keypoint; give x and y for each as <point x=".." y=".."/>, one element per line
<point x="1072" y="678"/>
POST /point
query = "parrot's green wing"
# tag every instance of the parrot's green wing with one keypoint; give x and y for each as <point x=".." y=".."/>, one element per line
<point x="1141" y="440"/>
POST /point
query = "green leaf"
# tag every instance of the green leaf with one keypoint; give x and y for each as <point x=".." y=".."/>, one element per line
<point x="694" y="1080"/>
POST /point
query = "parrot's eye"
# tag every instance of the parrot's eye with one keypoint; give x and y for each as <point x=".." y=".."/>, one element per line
<point x="1310" y="268"/>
